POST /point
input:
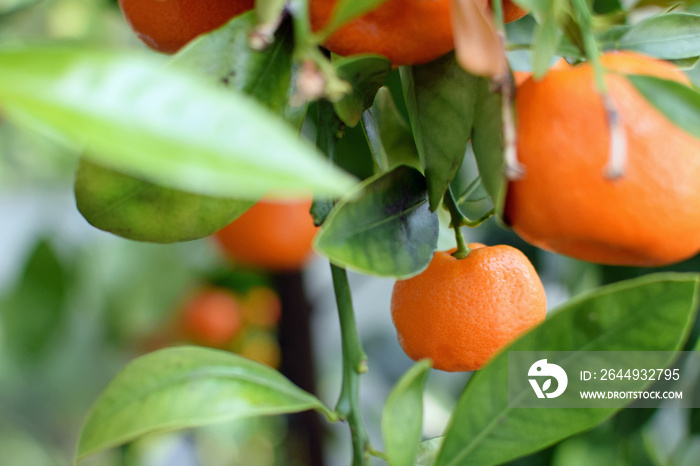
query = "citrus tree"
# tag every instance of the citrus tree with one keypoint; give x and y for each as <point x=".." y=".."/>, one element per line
<point x="595" y="156"/>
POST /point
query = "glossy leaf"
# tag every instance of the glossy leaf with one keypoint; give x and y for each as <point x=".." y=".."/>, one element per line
<point x="402" y="418"/>
<point x="184" y="387"/>
<point x="389" y="134"/>
<point x="441" y="118"/>
<point x="163" y="125"/>
<point x="383" y="227"/>
<point x="366" y="74"/>
<point x="679" y="103"/>
<point x="669" y="36"/>
<point x="652" y="313"/>
<point x="489" y="145"/>
<point x="143" y="211"/>
<point x="225" y="57"/>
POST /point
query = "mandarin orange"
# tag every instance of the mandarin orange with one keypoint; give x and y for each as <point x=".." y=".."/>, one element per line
<point x="270" y="235"/>
<point x="566" y="204"/>
<point x="167" y="25"/>
<point x="459" y="313"/>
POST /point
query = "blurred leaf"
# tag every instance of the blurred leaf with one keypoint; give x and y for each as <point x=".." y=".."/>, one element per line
<point x="366" y="74"/>
<point x="383" y="227"/>
<point x="9" y="7"/>
<point x="652" y="313"/>
<point x="32" y="313"/>
<point x="185" y="387"/>
<point x="388" y="134"/>
<point x="225" y="57"/>
<point x="545" y="45"/>
<point x="489" y="145"/>
<point x="269" y="10"/>
<point x="428" y="451"/>
<point x="669" y="36"/>
<point x="606" y="6"/>
<point x="162" y="125"/>
<point x="678" y="102"/>
<point x="478" y="45"/>
<point x="347" y="10"/>
<point x="441" y="118"/>
<point x="20" y="449"/>
<point x="143" y="211"/>
<point x="402" y="418"/>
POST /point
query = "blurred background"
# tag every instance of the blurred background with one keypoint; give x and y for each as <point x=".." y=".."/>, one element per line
<point x="77" y="304"/>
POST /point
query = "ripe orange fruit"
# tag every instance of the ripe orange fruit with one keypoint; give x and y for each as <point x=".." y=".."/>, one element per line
<point x="460" y="313"/>
<point x="167" y="25"/>
<point x="566" y="204"/>
<point x="211" y="317"/>
<point x="407" y="32"/>
<point x="270" y="235"/>
<point x="262" y="307"/>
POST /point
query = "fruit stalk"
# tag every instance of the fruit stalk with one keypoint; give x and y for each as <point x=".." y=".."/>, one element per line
<point x="354" y="364"/>
<point x="459" y="220"/>
<point x="354" y="357"/>
<point x="617" y="159"/>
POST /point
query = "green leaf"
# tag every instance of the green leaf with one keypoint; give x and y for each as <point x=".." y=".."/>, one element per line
<point x="652" y="313"/>
<point x="669" y="36"/>
<point x="678" y="102"/>
<point x="32" y="313"/>
<point x="10" y="7"/>
<point x="606" y="6"/>
<point x="366" y="74"/>
<point x="428" y="451"/>
<point x="163" y="125"/>
<point x="185" y="387"/>
<point x="383" y="227"/>
<point x="388" y="134"/>
<point x="143" y="211"/>
<point x="489" y="145"/>
<point x="224" y="57"/>
<point x="347" y="10"/>
<point x="441" y="118"/>
<point x="402" y="418"/>
<point x="546" y="42"/>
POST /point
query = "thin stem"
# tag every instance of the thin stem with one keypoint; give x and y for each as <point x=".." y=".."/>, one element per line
<point x="456" y="223"/>
<point x="354" y="364"/>
<point x="514" y="169"/>
<point x="354" y="358"/>
<point x="617" y="158"/>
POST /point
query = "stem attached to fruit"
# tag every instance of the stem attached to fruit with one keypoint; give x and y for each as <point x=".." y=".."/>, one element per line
<point x="459" y="220"/>
<point x="617" y="154"/>
<point x="354" y="364"/>
<point x="457" y="217"/>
